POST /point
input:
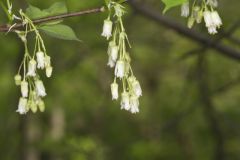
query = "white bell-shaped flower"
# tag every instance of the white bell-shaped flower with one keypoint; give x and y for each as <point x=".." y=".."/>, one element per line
<point x="110" y="63"/>
<point x="185" y="9"/>
<point x="40" y="89"/>
<point x="113" y="51"/>
<point x="120" y="69"/>
<point x="217" y="21"/>
<point x="40" y="60"/>
<point x="208" y="18"/>
<point x="212" y="21"/>
<point x="212" y="30"/>
<point x="134" y="104"/>
<point x="32" y="68"/>
<point x="107" y="28"/>
<point x="114" y="90"/>
<point x="24" y="88"/>
<point x="137" y="88"/>
<point x="125" y="103"/>
<point x="22" y="106"/>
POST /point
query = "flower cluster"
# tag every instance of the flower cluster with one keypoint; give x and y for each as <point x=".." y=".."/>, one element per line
<point x="205" y="11"/>
<point x="119" y="58"/>
<point x="32" y="87"/>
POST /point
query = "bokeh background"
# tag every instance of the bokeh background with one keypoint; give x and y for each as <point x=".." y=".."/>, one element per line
<point x="190" y="109"/>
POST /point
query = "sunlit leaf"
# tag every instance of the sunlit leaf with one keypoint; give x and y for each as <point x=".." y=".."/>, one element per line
<point x="172" y="3"/>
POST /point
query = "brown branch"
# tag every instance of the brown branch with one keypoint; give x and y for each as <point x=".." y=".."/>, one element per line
<point x="154" y="15"/>
<point x="225" y="87"/>
<point x="234" y="40"/>
<point x="223" y="34"/>
<point x="5" y="28"/>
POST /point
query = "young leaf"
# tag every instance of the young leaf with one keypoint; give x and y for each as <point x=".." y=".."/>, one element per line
<point x="60" y="31"/>
<point x="57" y="8"/>
<point x="172" y="3"/>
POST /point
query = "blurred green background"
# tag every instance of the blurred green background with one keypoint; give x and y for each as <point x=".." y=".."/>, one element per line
<point x="189" y="109"/>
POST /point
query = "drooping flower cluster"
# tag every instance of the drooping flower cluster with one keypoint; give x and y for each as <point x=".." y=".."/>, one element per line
<point x="119" y="59"/>
<point x="31" y="85"/>
<point x="204" y="9"/>
<point x="212" y="21"/>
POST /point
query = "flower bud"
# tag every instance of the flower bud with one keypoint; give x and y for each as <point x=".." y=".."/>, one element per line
<point x="114" y="90"/>
<point x="33" y="106"/>
<point x="18" y="79"/>
<point x="197" y="14"/>
<point x="191" y="21"/>
<point x="47" y="61"/>
<point x="119" y="10"/>
<point x="199" y="17"/>
<point x="49" y="70"/>
<point x="21" y="35"/>
<point x="41" y="106"/>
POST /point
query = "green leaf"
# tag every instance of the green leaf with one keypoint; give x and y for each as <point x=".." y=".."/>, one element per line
<point x="60" y="31"/>
<point x="172" y="3"/>
<point x="57" y="8"/>
<point x="35" y="13"/>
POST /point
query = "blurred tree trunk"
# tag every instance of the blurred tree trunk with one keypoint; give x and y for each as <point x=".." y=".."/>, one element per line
<point x="208" y="107"/>
<point x="57" y="127"/>
<point x="33" y="135"/>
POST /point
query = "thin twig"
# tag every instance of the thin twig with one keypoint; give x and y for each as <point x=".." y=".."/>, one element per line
<point x="5" y="28"/>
